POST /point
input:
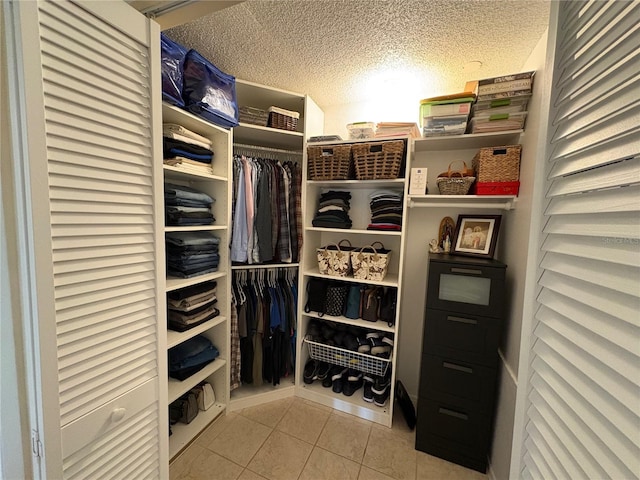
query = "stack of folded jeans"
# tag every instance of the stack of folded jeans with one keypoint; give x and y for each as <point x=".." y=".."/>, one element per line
<point x="185" y="206"/>
<point x="191" y="356"/>
<point x="191" y="306"/>
<point x="190" y="254"/>
<point x="386" y="211"/>
<point x="333" y="210"/>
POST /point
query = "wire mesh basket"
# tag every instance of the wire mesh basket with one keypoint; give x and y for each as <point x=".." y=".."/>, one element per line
<point x="347" y="358"/>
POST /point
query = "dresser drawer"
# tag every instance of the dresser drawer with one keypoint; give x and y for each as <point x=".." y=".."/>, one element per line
<point x="470" y="338"/>
<point x="446" y="379"/>
<point x="457" y="434"/>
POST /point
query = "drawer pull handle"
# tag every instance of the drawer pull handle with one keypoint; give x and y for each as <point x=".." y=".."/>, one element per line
<point x="460" y="368"/>
<point x="118" y="414"/>
<point x="466" y="271"/>
<point x="451" y="413"/>
<point x="469" y="321"/>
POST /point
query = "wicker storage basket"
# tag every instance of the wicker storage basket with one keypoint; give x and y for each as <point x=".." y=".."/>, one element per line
<point x="455" y="182"/>
<point x="498" y="164"/>
<point x="329" y="162"/>
<point x="254" y="116"/>
<point x="378" y="160"/>
<point x="283" y="119"/>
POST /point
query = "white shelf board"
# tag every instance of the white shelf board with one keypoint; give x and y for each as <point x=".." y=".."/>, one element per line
<point x="357" y="184"/>
<point x="173" y="114"/>
<point x="195" y="228"/>
<point x="177" y="387"/>
<point x="359" y="140"/>
<point x="354" y="231"/>
<point x="390" y="280"/>
<point x="353" y="405"/>
<point x="357" y="322"/>
<point x="176" y="338"/>
<point x="503" y="202"/>
<point x="183" y="434"/>
<point x="179" y="174"/>
<point x="175" y="283"/>
<point x="268" y="137"/>
<point x="264" y="265"/>
<point x="247" y="396"/>
<point x="467" y="141"/>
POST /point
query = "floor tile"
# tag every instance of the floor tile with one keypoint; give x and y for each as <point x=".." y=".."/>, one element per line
<point x="434" y="468"/>
<point x="324" y="465"/>
<point x="268" y="414"/>
<point x="240" y="440"/>
<point x="184" y="460"/>
<point x="390" y="454"/>
<point x="367" y="473"/>
<point x="281" y="457"/>
<point x="249" y="475"/>
<point x="216" y="428"/>
<point x="303" y="421"/>
<point x="345" y="436"/>
<point x="207" y="465"/>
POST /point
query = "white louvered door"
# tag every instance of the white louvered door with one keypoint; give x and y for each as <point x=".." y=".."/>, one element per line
<point x="90" y="83"/>
<point x="582" y="417"/>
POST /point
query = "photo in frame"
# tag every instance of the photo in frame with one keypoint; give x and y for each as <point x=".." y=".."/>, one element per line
<point x="476" y="235"/>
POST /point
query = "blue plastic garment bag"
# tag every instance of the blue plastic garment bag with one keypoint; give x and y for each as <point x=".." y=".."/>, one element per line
<point x="173" y="56"/>
<point x="208" y="92"/>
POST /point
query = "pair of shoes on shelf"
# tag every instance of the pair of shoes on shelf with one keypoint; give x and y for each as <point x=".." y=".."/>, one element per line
<point x="377" y="389"/>
<point x="354" y="382"/>
<point x="381" y="345"/>
<point x="315" y="370"/>
<point x="334" y="378"/>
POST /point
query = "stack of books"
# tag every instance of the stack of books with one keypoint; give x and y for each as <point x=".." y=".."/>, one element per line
<point x="397" y="129"/>
<point x="502" y="103"/>
<point x="446" y="114"/>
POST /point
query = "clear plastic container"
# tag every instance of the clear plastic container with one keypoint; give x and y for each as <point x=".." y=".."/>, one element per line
<point x="361" y="130"/>
<point x="498" y="122"/>
<point x="449" y="125"/>
<point x="502" y="105"/>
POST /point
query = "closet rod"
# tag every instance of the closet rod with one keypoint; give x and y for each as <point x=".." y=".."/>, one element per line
<point x="266" y="149"/>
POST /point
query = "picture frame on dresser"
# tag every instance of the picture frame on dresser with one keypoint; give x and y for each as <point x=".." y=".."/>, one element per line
<point x="476" y="235"/>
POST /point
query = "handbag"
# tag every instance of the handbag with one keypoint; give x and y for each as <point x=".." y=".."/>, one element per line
<point x="316" y="296"/>
<point x="388" y="306"/>
<point x="334" y="259"/>
<point x="352" y="309"/>
<point x="371" y="265"/>
<point x="184" y="409"/>
<point x="455" y="182"/>
<point x="336" y="299"/>
<point x="208" y="397"/>
<point x="370" y="304"/>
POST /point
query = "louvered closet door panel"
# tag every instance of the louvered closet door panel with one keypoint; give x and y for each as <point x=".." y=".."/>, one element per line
<point x="583" y="410"/>
<point x="100" y="172"/>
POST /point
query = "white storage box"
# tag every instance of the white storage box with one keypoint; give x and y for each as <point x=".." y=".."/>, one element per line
<point x="361" y="130"/>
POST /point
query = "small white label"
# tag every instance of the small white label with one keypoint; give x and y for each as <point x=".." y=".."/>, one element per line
<point x="418" y="181"/>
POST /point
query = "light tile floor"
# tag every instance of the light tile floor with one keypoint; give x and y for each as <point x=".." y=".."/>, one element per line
<point x="295" y="439"/>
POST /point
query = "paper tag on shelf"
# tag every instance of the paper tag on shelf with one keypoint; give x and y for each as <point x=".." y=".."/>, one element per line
<point x="418" y="181"/>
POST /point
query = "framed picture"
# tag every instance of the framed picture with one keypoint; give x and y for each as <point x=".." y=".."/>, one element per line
<point x="476" y="235"/>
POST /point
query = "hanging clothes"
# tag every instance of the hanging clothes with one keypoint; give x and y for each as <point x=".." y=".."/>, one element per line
<point x="266" y="302"/>
<point x="267" y="214"/>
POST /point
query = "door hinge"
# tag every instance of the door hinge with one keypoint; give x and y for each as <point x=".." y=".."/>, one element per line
<point x="36" y="444"/>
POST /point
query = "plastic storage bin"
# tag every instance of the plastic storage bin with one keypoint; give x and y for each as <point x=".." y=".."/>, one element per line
<point x="361" y="130"/>
<point x="498" y="122"/>
<point x="448" y="125"/>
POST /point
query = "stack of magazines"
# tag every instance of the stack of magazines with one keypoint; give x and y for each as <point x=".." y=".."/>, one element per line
<point x="397" y="129"/>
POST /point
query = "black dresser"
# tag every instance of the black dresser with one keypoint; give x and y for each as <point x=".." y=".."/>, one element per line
<point x="464" y="320"/>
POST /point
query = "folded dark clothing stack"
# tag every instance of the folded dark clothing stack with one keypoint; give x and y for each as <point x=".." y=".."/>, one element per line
<point x="172" y="148"/>
<point x="191" y="356"/>
<point x="386" y="210"/>
<point x="186" y="206"/>
<point x="191" y="253"/>
<point x="333" y="210"/>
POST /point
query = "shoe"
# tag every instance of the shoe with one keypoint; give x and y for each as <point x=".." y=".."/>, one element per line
<point x="380" y="400"/>
<point x="367" y="394"/>
<point x="339" y="383"/>
<point x="354" y="382"/>
<point x="379" y="346"/>
<point x="314" y="331"/>
<point x="381" y="384"/>
<point x="363" y="345"/>
<point x="310" y="371"/>
<point x="350" y="342"/>
<point x="323" y="370"/>
<point x="335" y="373"/>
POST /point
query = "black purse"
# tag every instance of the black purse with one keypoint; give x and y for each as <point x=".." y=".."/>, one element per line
<point x="388" y="306"/>
<point x="336" y="299"/>
<point x="370" y="304"/>
<point x="316" y="296"/>
<point x="184" y="409"/>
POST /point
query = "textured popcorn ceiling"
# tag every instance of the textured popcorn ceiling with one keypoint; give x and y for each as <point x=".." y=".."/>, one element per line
<point x="356" y="50"/>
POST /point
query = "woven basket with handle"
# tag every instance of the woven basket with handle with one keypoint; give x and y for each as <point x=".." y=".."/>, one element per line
<point x="455" y="182"/>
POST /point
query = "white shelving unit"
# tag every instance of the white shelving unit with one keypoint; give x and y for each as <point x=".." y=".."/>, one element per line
<point x="359" y="236"/>
<point x="218" y="186"/>
<point x="281" y="144"/>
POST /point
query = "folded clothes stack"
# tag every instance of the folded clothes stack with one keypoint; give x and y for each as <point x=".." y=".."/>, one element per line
<point x="386" y="211"/>
<point x="333" y="210"/>
<point x="185" y="149"/>
<point x="191" y="356"/>
<point x="190" y="254"/>
<point x="191" y="306"/>
<point x="186" y="206"/>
